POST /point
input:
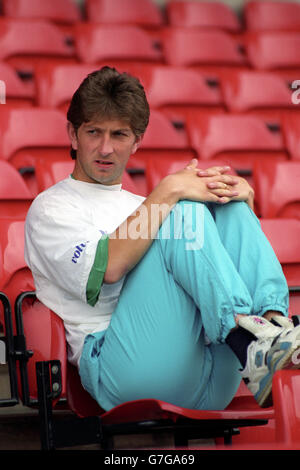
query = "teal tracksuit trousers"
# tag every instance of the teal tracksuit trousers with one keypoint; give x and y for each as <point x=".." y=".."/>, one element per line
<point x="166" y="338"/>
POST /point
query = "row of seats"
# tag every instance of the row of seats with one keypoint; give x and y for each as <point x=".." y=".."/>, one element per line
<point x="24" y="42"/>
<point x="276" y="183"/>
<point x="245" y="142"/>
<point x="255" y="15"/>
<point x="240" y="139"/>
<point x="168" y="88"/>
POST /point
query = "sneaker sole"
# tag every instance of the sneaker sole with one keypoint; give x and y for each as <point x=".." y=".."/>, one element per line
<point x="290" y="360"/>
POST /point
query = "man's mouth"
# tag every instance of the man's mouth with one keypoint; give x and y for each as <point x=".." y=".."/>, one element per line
<point x="103" y="163"/>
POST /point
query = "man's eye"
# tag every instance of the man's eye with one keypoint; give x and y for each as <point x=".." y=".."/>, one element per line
<point x="119" y="133"/>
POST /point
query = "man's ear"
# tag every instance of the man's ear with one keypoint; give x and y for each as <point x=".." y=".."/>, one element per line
<point x="138" y="141"/>
<point x="72" y="135"/>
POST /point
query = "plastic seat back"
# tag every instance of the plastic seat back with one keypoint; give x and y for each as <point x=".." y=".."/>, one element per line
<point x="45" y="336"/>
<point x="50" y="171"/>
<point x="264" y="94"/>
<point x="277" y="189"/>
<point x="143" y="13"/>
<point x="15" y="276"/>
<point x="43" y="330"/>
<point x="291" y="132"/>
<point x="79" y="400"/>
<point x="272" y="16"/>
<point x="161" y="137"/>
<point x="273" y="50"/>
<point x="60" y="11"/>
<point x="15" y="91"/>
<point x="194" y="47"/>
<point x="15" y="196"/>
<point x="56" y="83"/>
<point x="191" y="14"/>
<point x="47" y="136"/>
<point x="24" y="42"/>
<point x="162" y="133"/>
<point x="239" y="139"/>
<point x="178" y="90"/>
<point x="169" y="85"/>
<point x="286" y="389"/>
<point x="284" y="236"/>
<point x="97" y="43"/>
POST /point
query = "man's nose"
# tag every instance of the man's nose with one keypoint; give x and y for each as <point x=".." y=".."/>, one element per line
<point x="105" y="145"/>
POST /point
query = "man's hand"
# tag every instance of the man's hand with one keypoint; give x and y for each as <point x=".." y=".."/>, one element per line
<point x="214" y="184"/>
<point x="228" y="187"/>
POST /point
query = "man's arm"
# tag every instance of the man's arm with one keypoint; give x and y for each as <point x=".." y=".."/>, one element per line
<point x="125" y="249"/>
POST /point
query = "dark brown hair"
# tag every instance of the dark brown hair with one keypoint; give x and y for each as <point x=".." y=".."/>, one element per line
<point x="108" y="94"/>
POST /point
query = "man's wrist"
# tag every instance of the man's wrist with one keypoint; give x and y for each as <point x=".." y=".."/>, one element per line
<point x="250" y="199"/>
<point x="171" y="188"/>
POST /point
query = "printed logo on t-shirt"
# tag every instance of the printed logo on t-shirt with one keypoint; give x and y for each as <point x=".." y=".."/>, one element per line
<point x="80" y="248"/>
<point x="78" y="251"/>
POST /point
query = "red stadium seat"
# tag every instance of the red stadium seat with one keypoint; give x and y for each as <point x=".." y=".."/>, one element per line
<point x="23" y="43"/>
<point x="56" y="83"/>
<point x="15" y="275"/>
<point x="50" y="171"/>
<point x="189" y="14"/>
<point x="96" y="43"/>
<point x="239" y="139"/>
<point x="178" y="90"/>
<point x="161" y="134"/>
<point x="163" y="139"/>
<point x="291" y="132"/>
<point x="158" y="168"/>
<point x="286" y="389"/>
<point x="144" y="13"/>
<point x="203" y="49"/>
<point x="60" y="11"/>
<point x="264" y="94"/>
<point x="17" y="92"/>
<point x="15" y="197"/>
<point x="272" y="16"/>
<point x="284" y="236"/>
<point x="47" y="137"/>
<point x="47" y="130"/>
<point x="277" y="51"/>
<point x="277" y="188"/>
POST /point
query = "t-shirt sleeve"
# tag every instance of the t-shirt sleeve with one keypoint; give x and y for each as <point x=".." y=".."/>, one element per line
<point x="97" y="272"/>
<point x="63" y="246"/>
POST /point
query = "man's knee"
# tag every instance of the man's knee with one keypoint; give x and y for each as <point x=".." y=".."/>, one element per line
<point x="185" y="222"/>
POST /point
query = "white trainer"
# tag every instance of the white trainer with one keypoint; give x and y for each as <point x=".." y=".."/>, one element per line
<point x="276" y="348"/>
<point x="284" y="322"/>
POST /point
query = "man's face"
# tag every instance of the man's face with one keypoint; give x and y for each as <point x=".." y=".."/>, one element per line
<point x="103" y="149"/>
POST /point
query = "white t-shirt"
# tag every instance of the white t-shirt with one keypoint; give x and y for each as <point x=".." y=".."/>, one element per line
<point x="66" y="250"/>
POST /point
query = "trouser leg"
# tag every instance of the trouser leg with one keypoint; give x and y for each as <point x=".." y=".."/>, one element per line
<point x="252" y="255"/>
